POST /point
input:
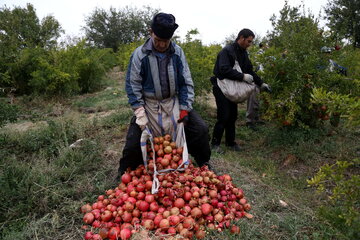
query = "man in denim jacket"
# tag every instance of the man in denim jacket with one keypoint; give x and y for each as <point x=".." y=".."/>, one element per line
<point x="158" y="77"/>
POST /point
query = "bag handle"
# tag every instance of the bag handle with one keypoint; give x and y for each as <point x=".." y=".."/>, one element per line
<point x="145" y="136"/>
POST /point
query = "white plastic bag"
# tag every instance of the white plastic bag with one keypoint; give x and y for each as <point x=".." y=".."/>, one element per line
<point x="180" y="142"/>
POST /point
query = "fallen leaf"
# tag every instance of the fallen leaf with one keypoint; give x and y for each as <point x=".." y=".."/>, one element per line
<point x="289" y="160"/>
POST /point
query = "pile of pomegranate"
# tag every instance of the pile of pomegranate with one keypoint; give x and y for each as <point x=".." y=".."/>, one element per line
<point x="187" y="203"/>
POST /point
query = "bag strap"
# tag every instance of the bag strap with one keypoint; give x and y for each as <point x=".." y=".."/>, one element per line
<point x="234" y="55"/>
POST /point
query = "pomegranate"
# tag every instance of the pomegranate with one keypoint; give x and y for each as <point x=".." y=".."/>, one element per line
<point x="86" y="208"/>
<point x="164" y="224"/>
<point x="200" y="234"/>
<point x="126" y="178"/>
<point x="235" y="229"/>
<point x="88" y="218"/>
<point x="206" y="208"/>
<point x="125" y="234"/>
<point x="114" y="233"/>
<point x="88" y="235"/>
<point x="143" y="206"/>
<point x="149" y="224"/>
<point x="179" y="203"/>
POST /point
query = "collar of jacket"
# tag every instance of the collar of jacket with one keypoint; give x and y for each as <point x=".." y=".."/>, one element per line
<point x="148" y="47"/>
<point x="237" y="47"/>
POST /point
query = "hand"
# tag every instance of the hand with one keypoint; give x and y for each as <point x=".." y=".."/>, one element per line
<point x="265" y="87"/>
<point x="141" y="118"/>
<point x="248" y="78"/>
<point x="184" y="118"/>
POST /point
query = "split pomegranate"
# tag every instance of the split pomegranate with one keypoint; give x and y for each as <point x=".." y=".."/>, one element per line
<point x="114" y="233"/>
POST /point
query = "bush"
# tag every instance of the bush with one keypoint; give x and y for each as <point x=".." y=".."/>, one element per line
<point x="49" y="80"/>
<point x="336" y="105"/>
<point x="341" y="182"/>
<point x="8" y="113"/>
<point x="72" y="70"/>
<point x="201" y="60"/>
<point x="124" y="53"/>
<point x="350" y="58"/>
<point x="294" y="66"/>
<point x="28" y="61"/>
<point x="23" y="40"/>
<point x="86" y="65"/>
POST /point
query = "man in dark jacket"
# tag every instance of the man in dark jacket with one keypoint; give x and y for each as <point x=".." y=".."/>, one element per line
<point x="158" y="79"/>
<point x="227" y="110"/>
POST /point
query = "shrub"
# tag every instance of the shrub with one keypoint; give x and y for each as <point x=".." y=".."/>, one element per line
<point x="68" y="71"/>
<point x="124" y="53"/>
<point x="28" y="61"/>
<point x="49" y="80"/>
<point x="336" y="105"/>
<point x="86" y="65"/>
<point x="23" y="40"/>
<point x="341" y="182"/>
<point x="201" y="60"/>
<point x="8" y="113"/>
<point x="350" y="58"/>
<point x="294" y="66"/>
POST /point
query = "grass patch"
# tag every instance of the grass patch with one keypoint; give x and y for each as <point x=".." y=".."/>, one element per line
<point x="44" y="182"/>
<point x="109" y="99"/>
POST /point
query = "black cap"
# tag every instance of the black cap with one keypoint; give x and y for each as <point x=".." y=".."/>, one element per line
<point x="163" y="25"/>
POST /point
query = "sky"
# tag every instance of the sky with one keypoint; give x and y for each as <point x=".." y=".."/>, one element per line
<point x="215" y="20"/>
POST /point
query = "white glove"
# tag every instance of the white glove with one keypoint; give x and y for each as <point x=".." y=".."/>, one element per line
<point x="141" y="118"/>
<point x="248" y="78"/>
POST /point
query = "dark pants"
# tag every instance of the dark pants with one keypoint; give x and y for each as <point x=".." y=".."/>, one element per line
<point x="197" y="139"/>
<point x="227" y="112"/>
